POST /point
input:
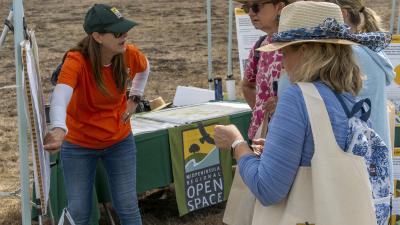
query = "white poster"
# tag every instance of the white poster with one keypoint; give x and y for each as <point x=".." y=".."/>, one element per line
<point x="247" y="36"/>
<point x="34" y="103"/>
<point x="393" y="93"/>
<point x="393" y="53"/>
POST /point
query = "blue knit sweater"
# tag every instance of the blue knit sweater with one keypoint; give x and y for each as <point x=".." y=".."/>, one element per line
<point x="289" y="144"/>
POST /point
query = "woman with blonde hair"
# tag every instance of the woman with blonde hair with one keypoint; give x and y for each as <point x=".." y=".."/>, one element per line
<point x="316" y="48"/>
<point x="377" y="70"/>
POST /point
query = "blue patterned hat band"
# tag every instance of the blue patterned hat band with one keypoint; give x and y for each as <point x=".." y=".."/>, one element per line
<point x="331" y="29"/>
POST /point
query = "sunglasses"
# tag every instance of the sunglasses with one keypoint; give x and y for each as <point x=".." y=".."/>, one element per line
<point x="254" y="7"/>
<point x="118" y="35"/>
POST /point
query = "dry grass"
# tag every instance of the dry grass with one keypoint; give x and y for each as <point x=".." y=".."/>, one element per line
<point x="173" y="36"/>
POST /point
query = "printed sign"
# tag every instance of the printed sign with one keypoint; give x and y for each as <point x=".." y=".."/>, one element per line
<point x="393" y="93"/>
<point x="247" y="36"/>
<point x="202" y="172"/>
<point x="393" y="53"/>
<point x="34" y="105"/>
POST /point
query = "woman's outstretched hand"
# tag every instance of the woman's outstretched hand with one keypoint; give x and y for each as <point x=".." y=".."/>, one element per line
<point x="53" y="140"/>
<point x="225" y="135"/>
<point x="258" y="145"/>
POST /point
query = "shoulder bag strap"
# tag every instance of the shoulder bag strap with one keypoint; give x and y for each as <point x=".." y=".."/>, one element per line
<point x="319" y="119"/>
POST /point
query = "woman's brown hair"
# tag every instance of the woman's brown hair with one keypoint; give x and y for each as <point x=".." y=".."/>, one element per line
<point x="366" y="19"/>
<point x="90" y="49"/>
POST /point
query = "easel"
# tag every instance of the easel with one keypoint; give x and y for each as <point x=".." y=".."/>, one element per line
<point x="15" y="23"/>
<point x="7" y="27"/>
<point x="17" y="16"/>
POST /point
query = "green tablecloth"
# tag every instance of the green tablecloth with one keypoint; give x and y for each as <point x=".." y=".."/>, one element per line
<point x="153" y="169"/>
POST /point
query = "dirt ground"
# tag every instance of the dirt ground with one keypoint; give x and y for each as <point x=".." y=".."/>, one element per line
<point x="173" y="34"/>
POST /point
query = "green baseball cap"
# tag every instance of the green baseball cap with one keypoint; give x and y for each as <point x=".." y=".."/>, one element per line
<point x="106" y="19"/>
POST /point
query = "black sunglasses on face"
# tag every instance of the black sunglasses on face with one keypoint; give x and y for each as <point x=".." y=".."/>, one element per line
<point x="118" y="35"/>
<point x="254" y="7"/>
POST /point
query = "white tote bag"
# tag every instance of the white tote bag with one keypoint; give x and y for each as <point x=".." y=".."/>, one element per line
<point x="240" y="205"/>
<point x="335" y="190"/>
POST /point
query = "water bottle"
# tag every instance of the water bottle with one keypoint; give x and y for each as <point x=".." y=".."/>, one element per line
<point x="218" y="89"/>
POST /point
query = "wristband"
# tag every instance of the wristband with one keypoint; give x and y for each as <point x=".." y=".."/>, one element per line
<point x="237" y="143"/>
<point x="135" y="98"/>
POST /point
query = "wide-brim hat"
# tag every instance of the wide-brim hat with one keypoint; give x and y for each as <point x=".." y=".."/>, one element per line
<point x="158" y="103"/>
<point x="320" y="22"/>
<point x="106" y="19"/>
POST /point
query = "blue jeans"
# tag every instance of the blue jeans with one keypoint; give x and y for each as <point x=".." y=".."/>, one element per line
<point x="79" y="168"/>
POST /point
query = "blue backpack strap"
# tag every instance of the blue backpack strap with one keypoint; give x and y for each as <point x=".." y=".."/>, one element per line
<point x="359" y="106"/>
<point x="56" y="72"/>
<point x="344" y="106"/>
<point x="54" y="75"/>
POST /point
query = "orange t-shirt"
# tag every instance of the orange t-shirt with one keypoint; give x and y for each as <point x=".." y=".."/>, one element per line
<point x="94" y="119"/>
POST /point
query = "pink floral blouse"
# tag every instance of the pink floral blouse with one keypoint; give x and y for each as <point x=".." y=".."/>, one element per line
<point x="269" y="70"/>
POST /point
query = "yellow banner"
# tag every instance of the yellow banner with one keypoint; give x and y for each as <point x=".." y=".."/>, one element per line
<point x="396" y="39"/>
<point x="239" y="11"/>
<point x="396" y="152"/>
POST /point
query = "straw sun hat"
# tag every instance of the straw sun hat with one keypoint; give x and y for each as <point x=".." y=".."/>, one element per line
<point x="158" y="103"/>
<point x="322" y="22"/>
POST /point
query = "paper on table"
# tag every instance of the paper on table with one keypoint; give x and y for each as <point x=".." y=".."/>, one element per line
<point x="194" y="113"/>
<point x="141" y="125"/>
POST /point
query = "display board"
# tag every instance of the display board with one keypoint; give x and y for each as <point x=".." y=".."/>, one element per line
<point x="393" y="93"/>
<point x="202" y="172"/>
<point x="34" y="104"/>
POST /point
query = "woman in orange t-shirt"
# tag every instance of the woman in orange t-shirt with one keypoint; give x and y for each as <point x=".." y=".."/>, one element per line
<point x="90" y="114"/>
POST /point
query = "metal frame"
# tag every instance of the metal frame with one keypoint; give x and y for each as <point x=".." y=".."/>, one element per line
<point x="15" y="22"/>
<point x="230" y="30"/>
<point x="7" y="27"/>
<point x="209" y="48"/>
<point x="18" y="11"/>
<point x="392" y="16"/>
<point x="209" y="44"/>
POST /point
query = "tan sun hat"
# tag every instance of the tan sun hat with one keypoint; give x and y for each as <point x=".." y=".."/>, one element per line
<point x="158" y="103"/>
<point x="306" y="15"/>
